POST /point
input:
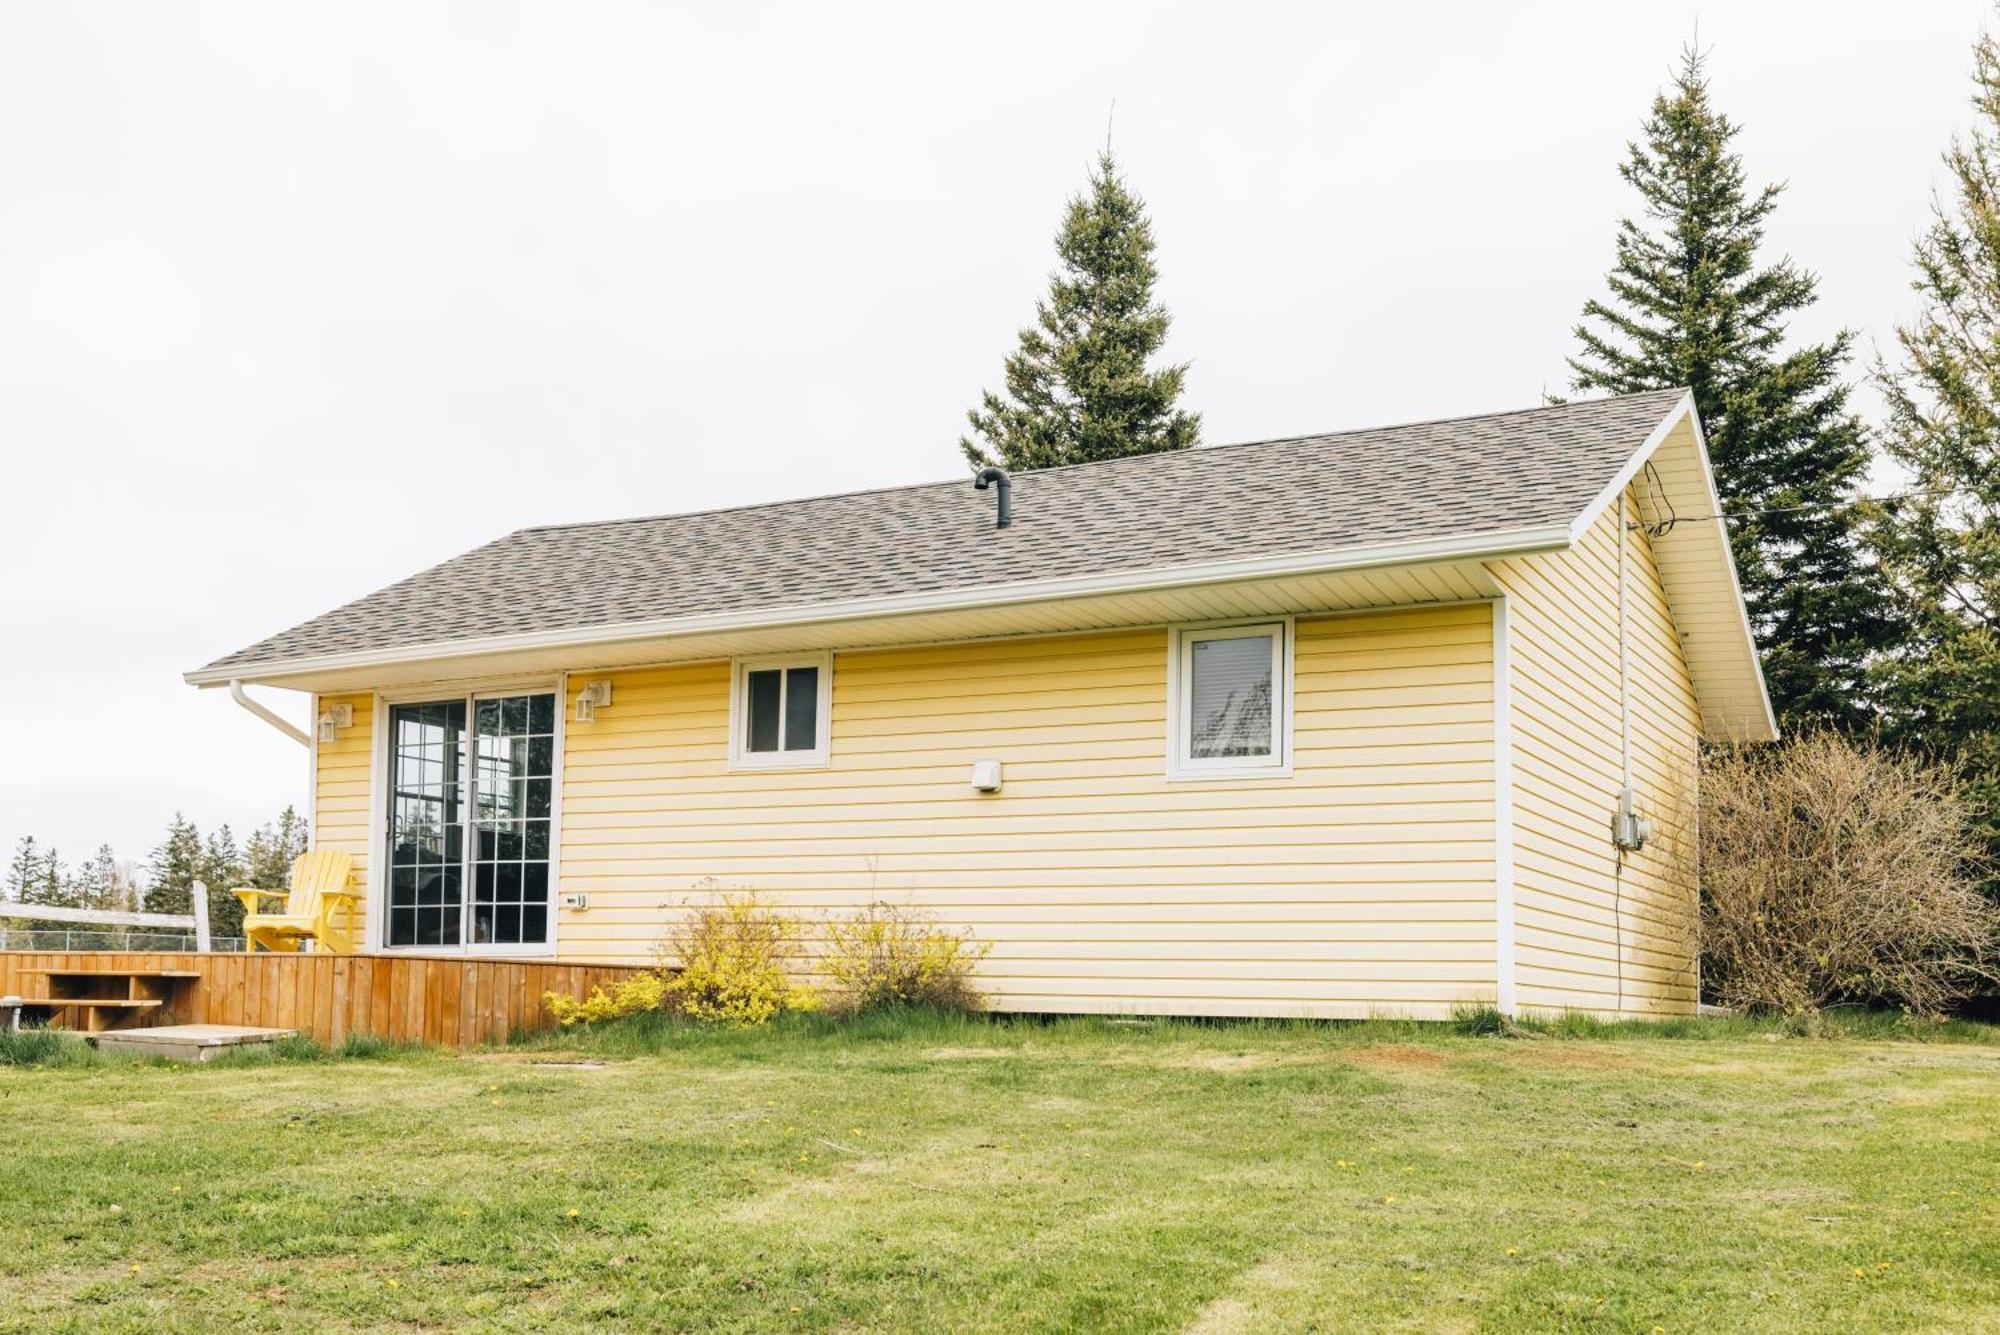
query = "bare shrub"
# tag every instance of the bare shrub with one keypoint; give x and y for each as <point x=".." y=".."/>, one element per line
<point x="1835" y="871"/>
<point x="887" y="956"/>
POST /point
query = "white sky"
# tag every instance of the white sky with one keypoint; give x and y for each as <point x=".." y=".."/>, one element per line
<point x="296" y="300"/>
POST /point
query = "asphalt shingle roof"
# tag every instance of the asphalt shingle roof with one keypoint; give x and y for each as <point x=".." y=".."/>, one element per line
<point x="1447" y="479"/>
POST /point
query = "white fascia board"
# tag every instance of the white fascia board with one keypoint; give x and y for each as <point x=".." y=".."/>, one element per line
<point x="1595" y="510"/>
<point x="1485" y="546"/>
<point x="1685" y="409"/>
<point x="1729" y="564"/>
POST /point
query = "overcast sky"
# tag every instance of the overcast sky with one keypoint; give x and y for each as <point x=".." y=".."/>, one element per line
<point x="296" y="300"/>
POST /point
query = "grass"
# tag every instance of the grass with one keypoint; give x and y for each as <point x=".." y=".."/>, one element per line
<point x="927" y="1173"/>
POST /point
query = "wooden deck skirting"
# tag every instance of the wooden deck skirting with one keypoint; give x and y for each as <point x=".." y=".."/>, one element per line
<point x="449" y="1001"/>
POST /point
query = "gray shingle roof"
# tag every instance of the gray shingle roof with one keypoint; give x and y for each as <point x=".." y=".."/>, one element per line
<point x="1448" y="479"/>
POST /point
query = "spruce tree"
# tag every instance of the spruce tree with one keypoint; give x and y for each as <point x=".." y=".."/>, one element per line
<point x="1941" y="541"/>
<point x="54" y="886"/>
<point x="24" y="871"/>
<point x="176" y="865"/>
<point x="1691" y="305"/>
<point x="1078" y="385"/>
<point x="101" y="883"/>
<point x="271" y="850"/>
<point x="222" y="870"/>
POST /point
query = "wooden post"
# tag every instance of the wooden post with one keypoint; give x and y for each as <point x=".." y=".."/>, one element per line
<point x="199" y="902"/>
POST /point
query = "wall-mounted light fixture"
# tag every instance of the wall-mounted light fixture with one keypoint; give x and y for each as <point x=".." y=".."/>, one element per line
<point x="332" y="719"/>
<point x="594" y="696"/>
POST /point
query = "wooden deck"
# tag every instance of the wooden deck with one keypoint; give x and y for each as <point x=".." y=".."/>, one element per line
<point x="453" y="1002"/>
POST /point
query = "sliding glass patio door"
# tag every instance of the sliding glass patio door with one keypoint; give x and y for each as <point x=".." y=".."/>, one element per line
<point x="471" y="792"/>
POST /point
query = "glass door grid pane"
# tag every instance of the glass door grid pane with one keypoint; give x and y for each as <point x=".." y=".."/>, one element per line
<point x="513" y="781"/>
<point x="498" y="778"/>
<point x="426" y="823"/>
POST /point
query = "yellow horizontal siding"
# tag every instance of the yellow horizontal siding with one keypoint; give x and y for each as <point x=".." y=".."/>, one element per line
<point x="1362" y="883"/>
<point x="343" y="814"/>
<point x="1592" y="933"/>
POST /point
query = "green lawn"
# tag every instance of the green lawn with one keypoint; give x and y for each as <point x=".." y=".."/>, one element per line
<point x="931" y="1175"/>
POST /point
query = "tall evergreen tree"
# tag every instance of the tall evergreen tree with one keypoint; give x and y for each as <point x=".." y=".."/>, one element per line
<point x="102" y="883"/>
<point x="176" y="865"/>
<point x="272" y="848"/>
<point x="54" y="886"/>
<point x="1691" y="305"/>
<point x="24" y="871"/>
<point x="222" y="870"/>
<point x="1078" y="385"/>
<point x="1941" y="544"/>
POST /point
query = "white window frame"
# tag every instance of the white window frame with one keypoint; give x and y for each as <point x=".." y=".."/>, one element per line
<point x="1180" y="667"/>
<point x="376" y="906"/>
<point x="741" y="757"/>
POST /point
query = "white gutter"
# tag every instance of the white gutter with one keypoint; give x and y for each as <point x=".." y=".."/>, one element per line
<point x="291" y="730"/>
<point x="1487" y="546"/>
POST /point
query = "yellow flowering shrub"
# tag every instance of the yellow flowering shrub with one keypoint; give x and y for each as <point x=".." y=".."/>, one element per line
<point x="888" y="955"/>
<point x="630" y="996"/>
<point x="730" y="962"/>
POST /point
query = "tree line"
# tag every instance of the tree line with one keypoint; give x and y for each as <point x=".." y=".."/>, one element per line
<point x="37" y="874"/>
<point x="1875" y="616"/>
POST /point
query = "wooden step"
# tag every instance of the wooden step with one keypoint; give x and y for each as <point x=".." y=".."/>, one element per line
<point x="112" y="973"/>
<point x="96" y="1013"/>
<point x="96" y="1003"/>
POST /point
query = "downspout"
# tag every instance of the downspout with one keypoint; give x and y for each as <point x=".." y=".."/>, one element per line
<point x="291" y="730"/>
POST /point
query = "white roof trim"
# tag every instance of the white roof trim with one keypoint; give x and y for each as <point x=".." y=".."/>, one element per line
<point x="1507" y="542"/>
<point x="1729" y="561"/>
<point x="1595" y="510"/>
<point x="1685" y="409"/>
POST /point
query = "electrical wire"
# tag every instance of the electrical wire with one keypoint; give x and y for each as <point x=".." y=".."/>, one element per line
<point x="1785" y="509"/>
<point x="1656" y="495"/>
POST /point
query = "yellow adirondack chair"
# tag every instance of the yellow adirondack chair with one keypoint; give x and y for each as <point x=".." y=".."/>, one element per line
<point x="318" y="907"/>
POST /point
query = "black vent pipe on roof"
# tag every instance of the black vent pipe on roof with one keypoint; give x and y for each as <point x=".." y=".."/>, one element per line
<point x="997" y="477"/>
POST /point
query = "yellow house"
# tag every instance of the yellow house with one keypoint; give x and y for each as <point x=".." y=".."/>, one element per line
<point x="1390" y="721"/>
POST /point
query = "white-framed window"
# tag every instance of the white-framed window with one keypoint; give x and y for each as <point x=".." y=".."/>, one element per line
<point x="1229" y="700"/>
<point x="468" y="783"/>
<point x="778" y="712"/>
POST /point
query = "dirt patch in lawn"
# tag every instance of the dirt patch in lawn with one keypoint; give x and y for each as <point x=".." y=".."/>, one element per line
<point x="1581" y="1056"/>
<point x="1394" y="1056"/>
<point x="1233" y="1312"/>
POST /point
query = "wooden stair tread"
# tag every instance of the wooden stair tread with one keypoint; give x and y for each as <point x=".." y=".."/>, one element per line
<point x="112" y="973"/>
<point x="97" y="1003"/>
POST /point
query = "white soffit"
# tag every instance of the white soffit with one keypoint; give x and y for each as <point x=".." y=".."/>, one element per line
<point x="1336" y="591"/>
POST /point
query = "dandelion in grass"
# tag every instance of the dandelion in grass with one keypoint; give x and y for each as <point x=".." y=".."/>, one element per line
<point x="572" y="1214"/>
